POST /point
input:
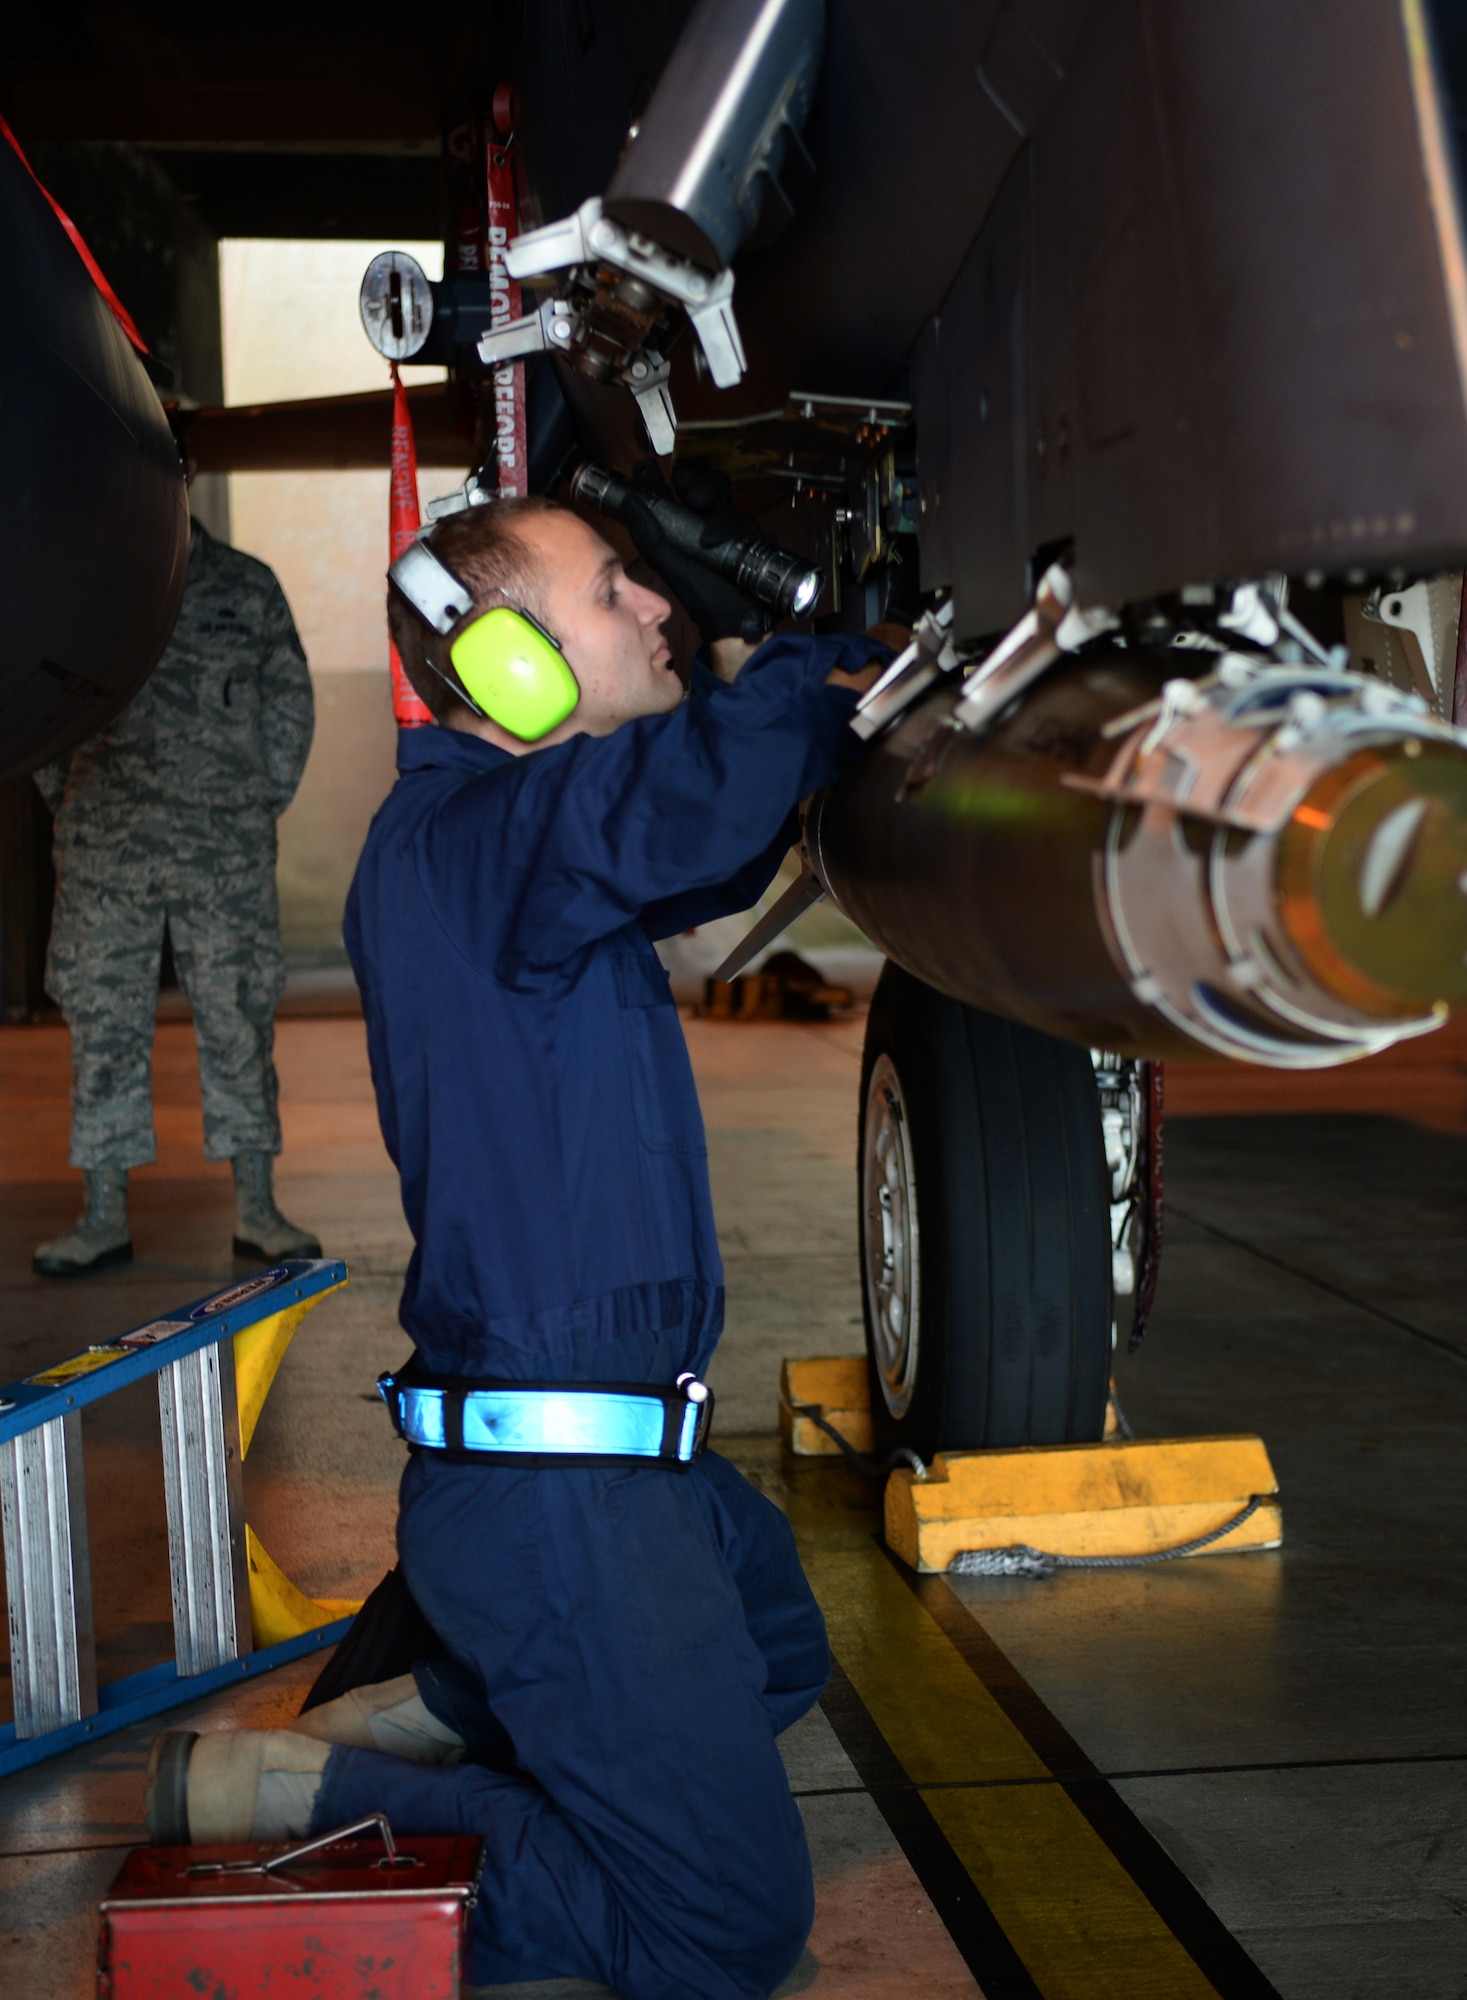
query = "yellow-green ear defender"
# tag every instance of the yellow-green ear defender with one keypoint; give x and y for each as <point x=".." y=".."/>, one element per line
<point x="512" y="670"/>
<point x="515" y="673"/>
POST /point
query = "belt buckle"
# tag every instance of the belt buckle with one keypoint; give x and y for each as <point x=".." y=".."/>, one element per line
<point x="390" y="1390"/>
<point x="700" y="1396"/>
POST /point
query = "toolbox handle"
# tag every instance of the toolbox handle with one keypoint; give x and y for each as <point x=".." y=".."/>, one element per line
<point x="391" y="1859"/>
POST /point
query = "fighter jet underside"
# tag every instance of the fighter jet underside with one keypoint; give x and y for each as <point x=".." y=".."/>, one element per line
<point x="1121" y="349"/>
<point x="1135" y="371"/>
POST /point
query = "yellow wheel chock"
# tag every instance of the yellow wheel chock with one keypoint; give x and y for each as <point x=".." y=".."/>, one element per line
<point x="1124" y="1499"/>
<point x="277" y="1609"/>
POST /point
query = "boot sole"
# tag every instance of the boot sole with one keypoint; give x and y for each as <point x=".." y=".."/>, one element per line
<point x="165" y="1798"/>
<point x="59" y="1267"/>
<point x="308" y="1247"/>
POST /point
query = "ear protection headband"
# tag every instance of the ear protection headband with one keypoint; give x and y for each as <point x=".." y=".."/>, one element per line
<point x="512" y="670"/>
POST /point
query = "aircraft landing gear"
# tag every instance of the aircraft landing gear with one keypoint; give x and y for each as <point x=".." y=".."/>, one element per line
<point x="985" y="1228"/>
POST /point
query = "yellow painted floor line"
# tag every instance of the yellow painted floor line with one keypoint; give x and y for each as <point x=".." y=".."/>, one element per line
<point x="1082" y="1927"/>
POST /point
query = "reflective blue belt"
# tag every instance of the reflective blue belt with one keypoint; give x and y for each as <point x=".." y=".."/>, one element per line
<point x="524" y="1423"/>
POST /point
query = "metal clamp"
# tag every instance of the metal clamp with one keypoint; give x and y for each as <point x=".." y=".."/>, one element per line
<point x="911" y="673"/>
<point x="1018" y="660"/>
<point x="550" y="327"/>
<point x="591" y="237"/>
<point x="647" y="375"/>
<point x="617" y="290"/>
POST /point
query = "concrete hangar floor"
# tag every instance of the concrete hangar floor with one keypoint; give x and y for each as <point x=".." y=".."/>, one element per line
<point x="1241" y="1776"/>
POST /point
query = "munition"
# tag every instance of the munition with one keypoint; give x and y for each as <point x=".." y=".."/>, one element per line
<point x="1167" y="853"/>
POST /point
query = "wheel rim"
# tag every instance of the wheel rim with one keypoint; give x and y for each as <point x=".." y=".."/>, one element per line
<point x="890" y="1241"/>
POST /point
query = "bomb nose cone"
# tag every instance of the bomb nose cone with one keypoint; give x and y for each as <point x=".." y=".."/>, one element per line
<point x="1373" y="879"/>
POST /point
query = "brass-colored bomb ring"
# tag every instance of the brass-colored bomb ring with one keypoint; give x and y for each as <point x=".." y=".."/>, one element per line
<point x="1396" y="947"/>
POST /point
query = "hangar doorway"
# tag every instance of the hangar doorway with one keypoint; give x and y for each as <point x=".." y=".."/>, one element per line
<point x="291" y="331"/>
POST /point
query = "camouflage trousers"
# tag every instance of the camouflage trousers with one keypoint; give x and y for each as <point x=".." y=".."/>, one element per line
<point x="106" y="942"/>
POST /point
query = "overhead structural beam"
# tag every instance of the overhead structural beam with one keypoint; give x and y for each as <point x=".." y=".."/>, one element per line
<point x="331" y="433"/>
<point x="217" y="111"/>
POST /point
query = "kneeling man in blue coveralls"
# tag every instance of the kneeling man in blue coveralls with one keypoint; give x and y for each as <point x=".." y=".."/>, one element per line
<point x="625" y="1622"/>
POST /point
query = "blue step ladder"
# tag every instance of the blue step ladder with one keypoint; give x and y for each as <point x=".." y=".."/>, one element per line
<point x="234" y="1613"/>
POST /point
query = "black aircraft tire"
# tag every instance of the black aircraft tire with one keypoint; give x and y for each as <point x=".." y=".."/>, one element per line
<point x="988" y="1322"/>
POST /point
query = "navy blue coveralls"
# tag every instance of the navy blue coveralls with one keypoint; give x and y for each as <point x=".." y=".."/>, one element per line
<point x="623" y="1641"/>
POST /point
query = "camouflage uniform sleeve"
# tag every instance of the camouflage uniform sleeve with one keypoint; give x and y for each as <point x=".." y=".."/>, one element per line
<point x="51" y="782"/>
<point x="287" y="707"/>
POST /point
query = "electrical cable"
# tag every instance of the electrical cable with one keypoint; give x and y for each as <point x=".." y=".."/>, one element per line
<point x="901" y="1456"/>
<point x="1019" y="1559"/>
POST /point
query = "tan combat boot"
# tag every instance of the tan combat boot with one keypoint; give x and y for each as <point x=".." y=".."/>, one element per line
<point x="260" y="1230"/>
<point x="240" y="1784"/>
<point x="100" y="1237"/>
<point x="391" y="1717"/>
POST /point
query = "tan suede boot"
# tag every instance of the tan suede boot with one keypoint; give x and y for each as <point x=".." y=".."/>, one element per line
<point x="390" y="1716"/>
<point x="240" y="1784"/>
<point x="260" y="1230"/>
<point x="99" y="1238"/>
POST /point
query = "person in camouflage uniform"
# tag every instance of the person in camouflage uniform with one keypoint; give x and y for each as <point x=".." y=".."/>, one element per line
<point x="168" y="815"/>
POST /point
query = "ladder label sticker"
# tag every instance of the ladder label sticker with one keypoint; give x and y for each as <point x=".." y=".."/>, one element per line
<point x="153" y="1332"/>
<point x="236" y="1295"/>
<point x="79" y="1364"/>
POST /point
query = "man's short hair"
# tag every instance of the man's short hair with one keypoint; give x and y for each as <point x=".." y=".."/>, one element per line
<point x="493" y="562"/>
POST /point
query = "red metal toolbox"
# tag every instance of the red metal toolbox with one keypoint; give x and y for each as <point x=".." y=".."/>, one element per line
<point x="340" y="1918"/>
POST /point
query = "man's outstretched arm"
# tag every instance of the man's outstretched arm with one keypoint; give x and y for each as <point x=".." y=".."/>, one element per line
<point x="573" y="842"/>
